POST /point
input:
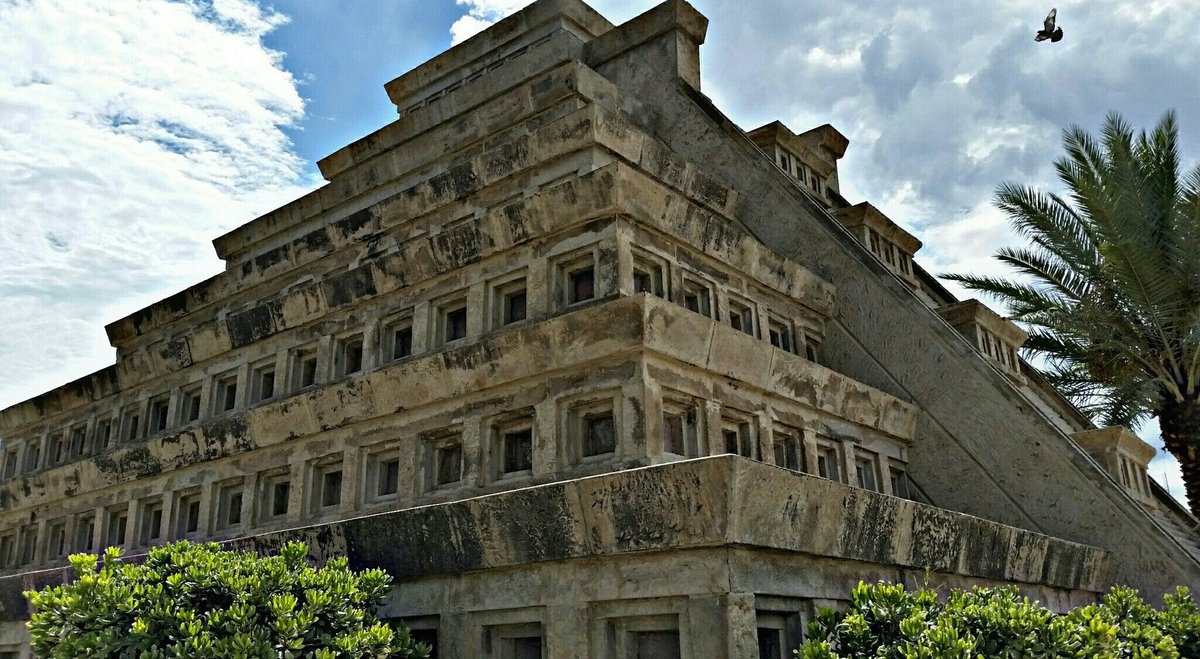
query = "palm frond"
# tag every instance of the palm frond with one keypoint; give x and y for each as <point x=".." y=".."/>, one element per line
<point x="1048" y="270"/>
<point x="1142" y="282"/>
<point x="1049" y="222"/>
<point x="1122" y="404"/>
<point x="1056" y="347"/>
<point x="1184" y="251"/>
<point x="1109" y="288"/>
<point x="1127" y="405"/>
<point x="1184" y="246"/>
<point x="1023" y="299"/>
<point x="1157" y="155"/>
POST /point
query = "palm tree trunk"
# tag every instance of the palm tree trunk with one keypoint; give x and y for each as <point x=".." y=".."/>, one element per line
<point x="1180" y="425"/>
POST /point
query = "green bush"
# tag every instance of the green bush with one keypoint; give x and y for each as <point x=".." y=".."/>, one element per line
<point x="887" y="621"/>
<point x="197" y="600"/>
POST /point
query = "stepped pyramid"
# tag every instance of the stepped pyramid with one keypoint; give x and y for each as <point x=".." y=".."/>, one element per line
<point x="592" y="372"/>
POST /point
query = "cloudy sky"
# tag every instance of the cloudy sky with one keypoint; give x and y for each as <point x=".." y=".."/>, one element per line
<point x="132" y="132"/>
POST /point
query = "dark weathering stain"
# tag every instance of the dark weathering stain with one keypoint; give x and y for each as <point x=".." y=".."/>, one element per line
<point x="72" y="482"/>
<point x="639" y="421"/>
<point x="97" y="385"/>
<point x="507" y="158"/>
<point x="719" y="233"/>
<point x="571" y="130"/>
<point x="537" y="523"/>
<point x="1064" y="564"/>
<point x="936" y="539"/>
<point x="801" y="388"/>
<point x="989" y="549"/>
<point x="348" y="286"/>
<point x="226" y="437"/>
<point x="869" y="536"/>
<point x="350" y="396"/>
<point x="135" y="462"/>
<point x="456" y="182"/>
<point x="518" y="223"/>
<point x="271" y="257"/>
<point x="176" y="353"/>
<point x="544" y="84"/>
<point x="317" y="241"/>
<point x="142" y="318"/>
<point x="325" y="541"/>
<point x="353" y="223"/>
<point x="669" y="167"/>
<point x="13" y="605"/>
<point x="456" y="247"/>
<point x="482" y="353"/>
<point x="253" y="324"/>
<point x="636" y="525"/>
<point x="394" y="267"/>
<point x="709" y="190"/>
<point x="177" y="304"/>
<point x="372" y="176"/>
<point x="418" y="543"/>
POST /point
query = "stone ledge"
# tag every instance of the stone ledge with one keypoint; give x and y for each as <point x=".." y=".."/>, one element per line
<point x="481" y="50"/>
<point x="710" y="502"/>
<point x="970" y="312"/>
<point x="672" y="17"/>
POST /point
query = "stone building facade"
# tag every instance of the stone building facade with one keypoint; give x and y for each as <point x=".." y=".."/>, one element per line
<point x="592" y="372"/>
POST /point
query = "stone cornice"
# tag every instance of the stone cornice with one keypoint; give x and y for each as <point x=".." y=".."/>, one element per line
<point x="723" y="501"/>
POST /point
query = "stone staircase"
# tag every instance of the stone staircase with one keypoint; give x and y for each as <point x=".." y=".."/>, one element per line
<point x="1187" y="536"/>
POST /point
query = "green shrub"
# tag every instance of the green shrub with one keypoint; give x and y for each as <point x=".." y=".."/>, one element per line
<point x="886" y="621"/>
<point x="197" y="600"/>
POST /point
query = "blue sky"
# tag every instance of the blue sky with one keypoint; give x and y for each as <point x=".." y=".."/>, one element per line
<point x="132" y="133"/>
<point x="342" y="53"/>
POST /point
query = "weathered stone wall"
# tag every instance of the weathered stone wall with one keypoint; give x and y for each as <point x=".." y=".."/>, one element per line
<point x="974" y="426"/>
<point x="675" y="283"/>
<point x="444" y="235"/>
<point x="705" y="543"/>
<point x="624" y="351"/>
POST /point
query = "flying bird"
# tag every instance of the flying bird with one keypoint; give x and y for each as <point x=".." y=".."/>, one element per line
<point x="1048" y="30"/>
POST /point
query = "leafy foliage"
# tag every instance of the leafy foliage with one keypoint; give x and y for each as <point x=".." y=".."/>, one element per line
<point x="886" y="621"/>
<point x="1110" y="286"/>
<point x="197" y="600"/>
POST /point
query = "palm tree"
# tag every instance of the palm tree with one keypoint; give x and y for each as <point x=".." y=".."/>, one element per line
<point x="1109" y="290"/>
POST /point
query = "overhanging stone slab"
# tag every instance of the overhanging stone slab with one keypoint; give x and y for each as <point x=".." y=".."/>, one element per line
<point x="721" y="501"/>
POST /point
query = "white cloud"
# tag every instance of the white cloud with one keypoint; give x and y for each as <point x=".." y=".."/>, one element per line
<point x="480" y="14"/>
<point x="845" y="60"/>
<point x="131" y="134"/>
<point x="992" y="138"/>
<point x="466" y="27"/>
<point x="247" y="18"/>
